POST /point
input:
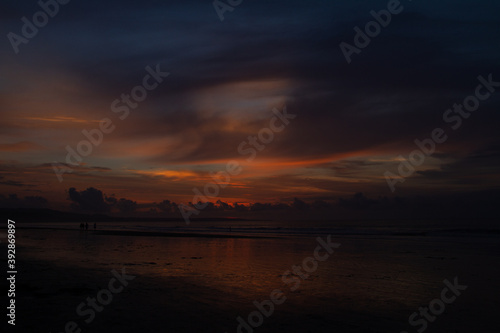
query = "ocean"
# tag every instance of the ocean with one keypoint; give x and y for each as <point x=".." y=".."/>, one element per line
<point x="378" y="276"/>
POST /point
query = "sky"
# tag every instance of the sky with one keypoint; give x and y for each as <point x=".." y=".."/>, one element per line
<point x="354" y="123"/>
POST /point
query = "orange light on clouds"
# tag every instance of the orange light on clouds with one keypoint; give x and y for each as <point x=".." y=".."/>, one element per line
<point x="172" y="174"/>
<point x="61" y="119"/>
<point x="20" y="147"/>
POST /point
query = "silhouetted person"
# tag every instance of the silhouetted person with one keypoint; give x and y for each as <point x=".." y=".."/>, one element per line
<point x="95" y="226"/>
<point x="87" y="225"/>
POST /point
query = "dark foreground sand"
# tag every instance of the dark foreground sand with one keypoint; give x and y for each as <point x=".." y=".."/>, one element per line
<point x="368" y="285"/>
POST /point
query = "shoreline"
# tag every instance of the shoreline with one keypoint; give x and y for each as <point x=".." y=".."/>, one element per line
<point x="151" y="233"/>
<point x="171" y="234"/>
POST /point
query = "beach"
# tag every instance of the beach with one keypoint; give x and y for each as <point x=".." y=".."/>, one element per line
<point x="205" y="281"/>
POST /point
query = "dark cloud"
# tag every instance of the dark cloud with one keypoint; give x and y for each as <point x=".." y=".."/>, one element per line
<point x="90" y="199"/>
<point x="126" y="206"/>
<point x="478" y="168"/>
<point x="14" y="183"/>
<point x="13" y="201"/>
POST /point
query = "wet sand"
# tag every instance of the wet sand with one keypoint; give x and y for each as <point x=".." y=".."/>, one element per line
<point x="204" y="283"/>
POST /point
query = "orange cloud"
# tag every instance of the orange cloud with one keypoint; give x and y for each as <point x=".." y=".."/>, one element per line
<point x="20" y="147"/>
<point x="61" y="119"/>
<point x="175" y="174"/>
